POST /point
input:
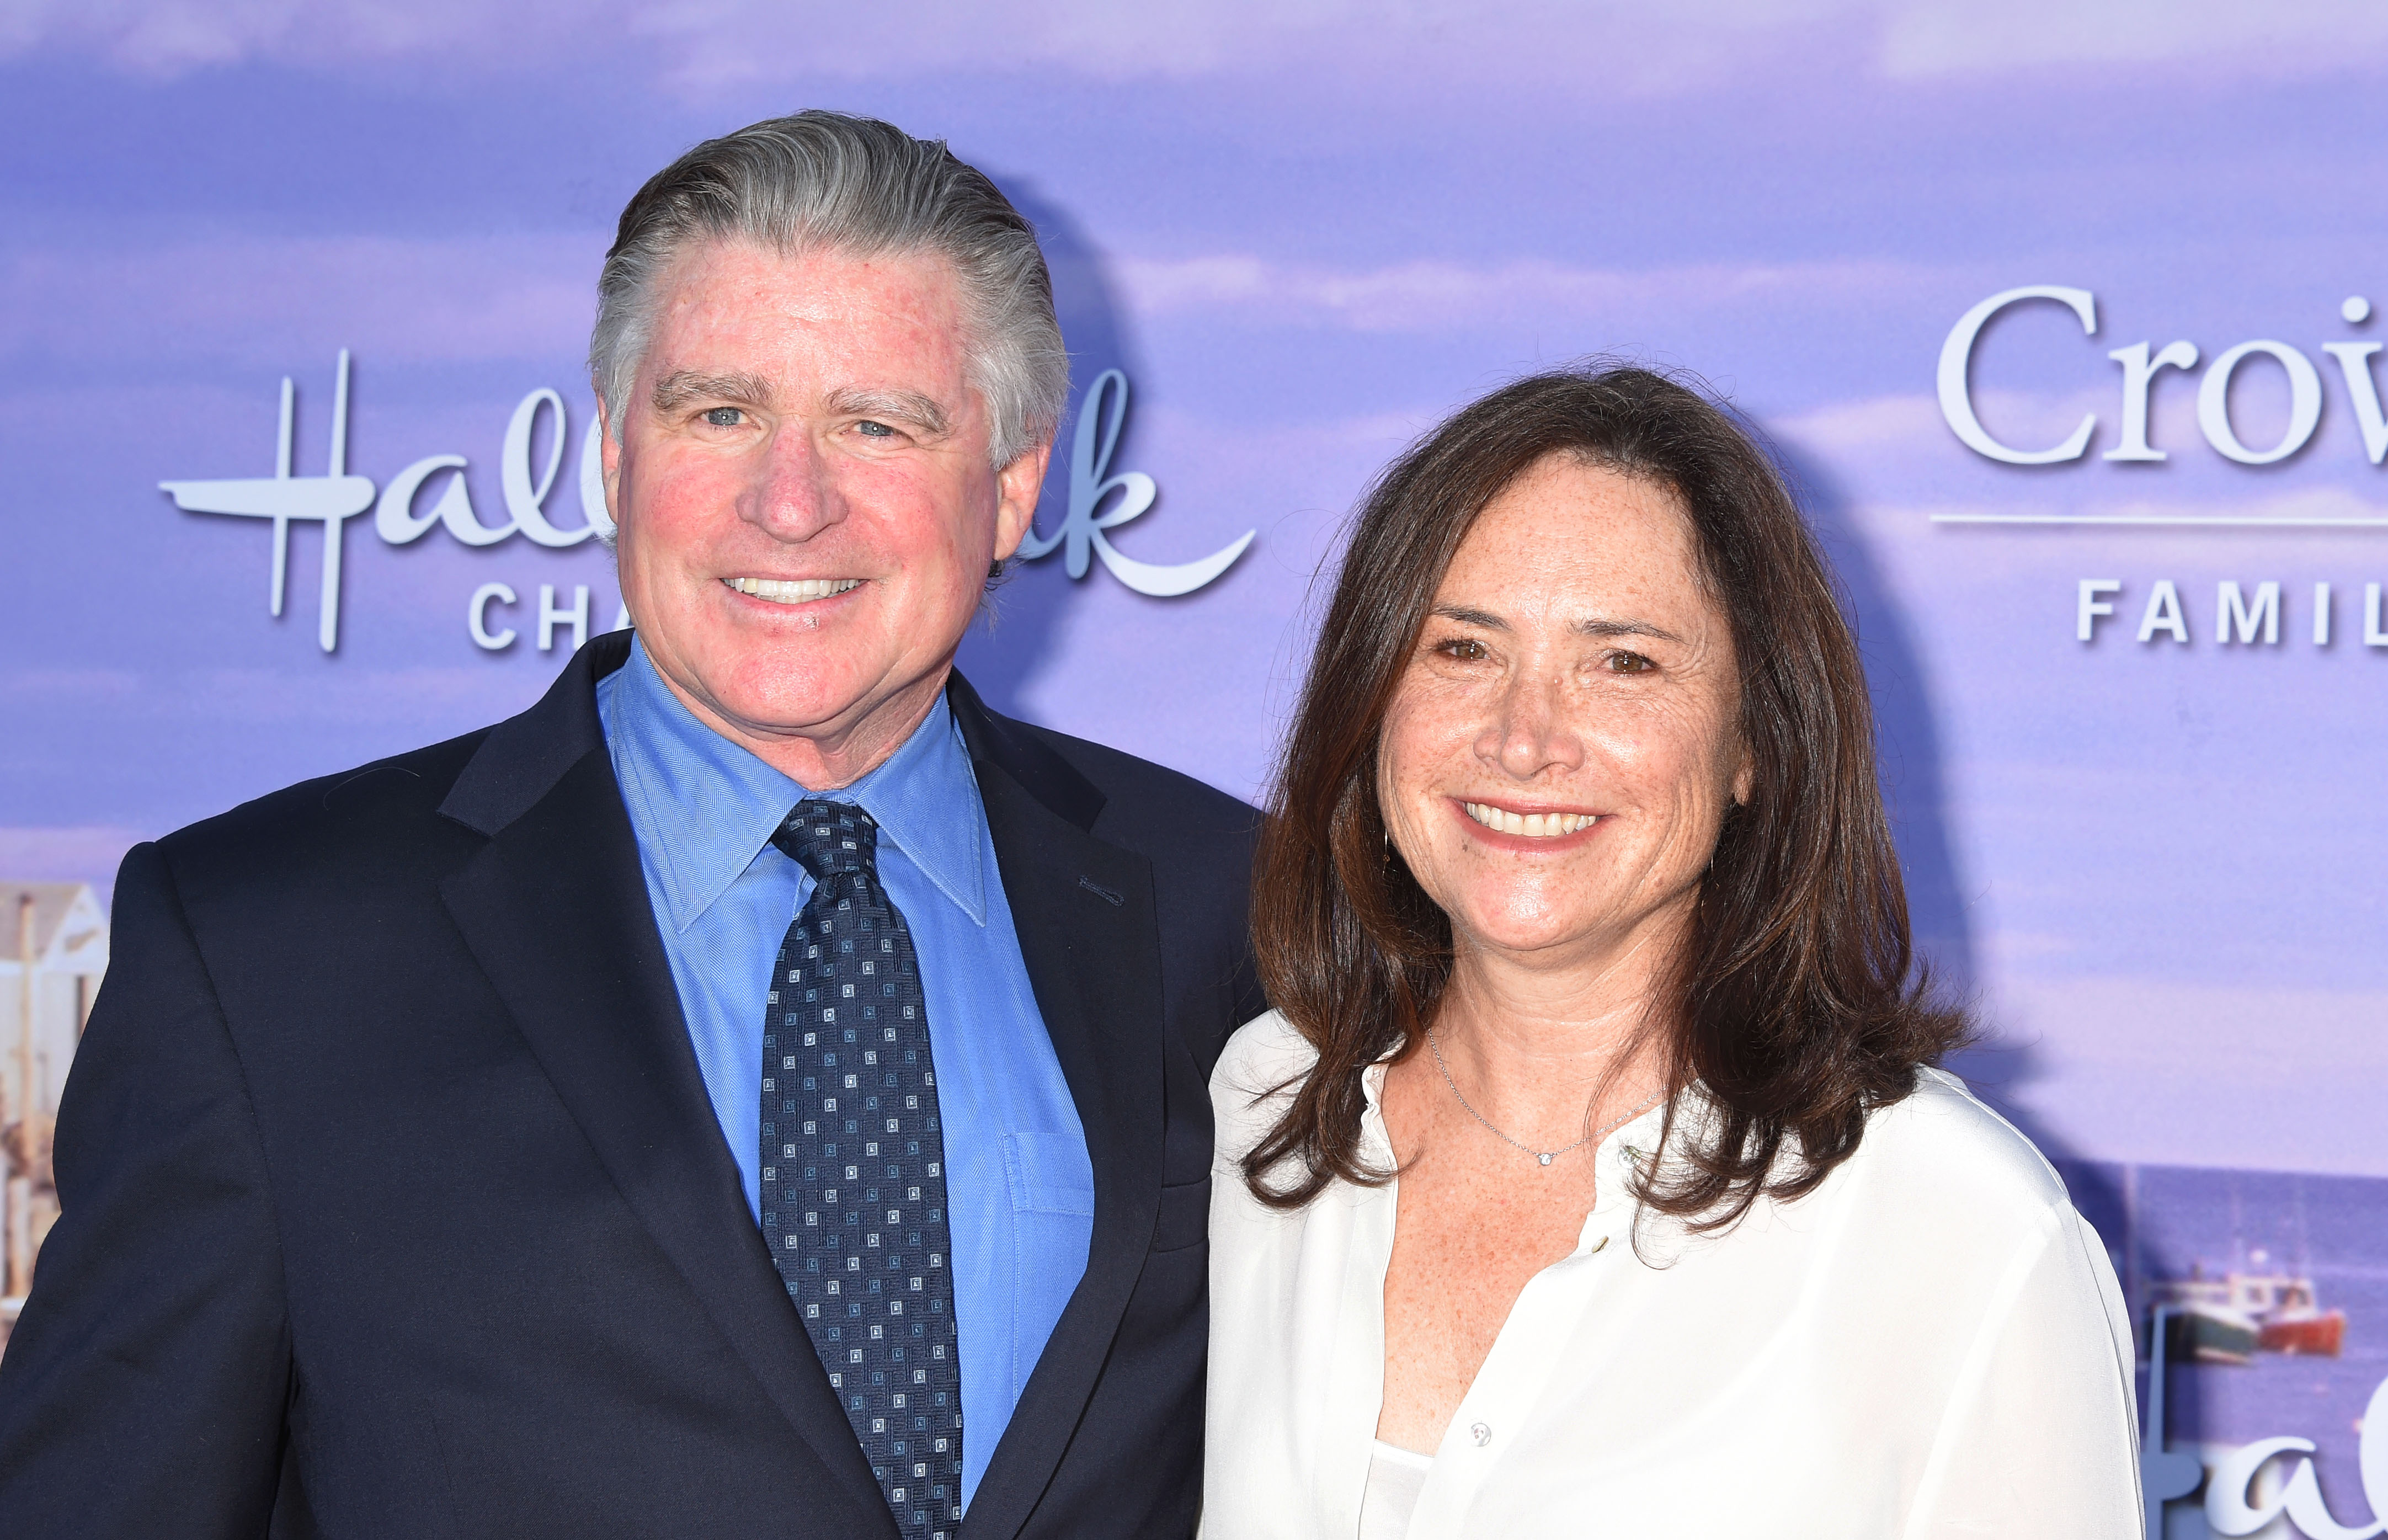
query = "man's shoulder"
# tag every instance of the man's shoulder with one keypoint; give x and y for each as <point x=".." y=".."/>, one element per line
<point x="358" y="820"/>
<point x="389" y="822"/>
<point x="1140" y="793"/>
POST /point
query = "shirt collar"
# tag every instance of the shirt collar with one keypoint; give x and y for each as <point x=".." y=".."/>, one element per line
<point x="711" y="806"/>
<point x="924" y="798"/>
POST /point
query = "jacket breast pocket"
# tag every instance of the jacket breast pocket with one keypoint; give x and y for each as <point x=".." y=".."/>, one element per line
<point x="1185" y="1216"/>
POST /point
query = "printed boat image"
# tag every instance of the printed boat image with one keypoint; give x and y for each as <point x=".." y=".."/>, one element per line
<point x="2208" y="1332"/>
<point x="2318" y="1335"/>
<point x="2229" y="1319"/>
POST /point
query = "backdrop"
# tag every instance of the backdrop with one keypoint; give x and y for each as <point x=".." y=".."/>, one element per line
<point x="2062" y="317"/>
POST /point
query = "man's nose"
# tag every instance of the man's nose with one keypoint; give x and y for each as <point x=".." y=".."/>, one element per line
<point x="1530" y="732"/>
<point x="793" y="495"/>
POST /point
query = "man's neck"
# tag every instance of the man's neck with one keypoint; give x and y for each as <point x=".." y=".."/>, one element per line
<point x="837" y="754"/>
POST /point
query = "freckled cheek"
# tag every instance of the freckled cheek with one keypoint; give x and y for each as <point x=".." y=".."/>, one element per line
<point x="1421" y="748"/>
<point x="1440" y="721"/>
<point x="1700" y="789"/>
<point x="1656" y="752"/>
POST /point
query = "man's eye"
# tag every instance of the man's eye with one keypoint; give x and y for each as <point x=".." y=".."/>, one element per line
<point x="870" y="429"/>
<point x="725" y="416"/>
<point x="1628" y="663"/>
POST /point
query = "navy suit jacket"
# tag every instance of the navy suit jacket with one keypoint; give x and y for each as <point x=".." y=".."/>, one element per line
<point x="393" y="1204"/>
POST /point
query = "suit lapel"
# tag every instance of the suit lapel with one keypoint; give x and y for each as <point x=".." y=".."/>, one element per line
<point x="1083" y="913"/>
<point x="555" y="910"/>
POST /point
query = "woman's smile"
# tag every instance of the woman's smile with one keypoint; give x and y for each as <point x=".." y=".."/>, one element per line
<point x="1506" y="826"/>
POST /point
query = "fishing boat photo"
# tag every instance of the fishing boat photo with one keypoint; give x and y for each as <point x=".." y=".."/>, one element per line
<point x="2230" y="1318"/>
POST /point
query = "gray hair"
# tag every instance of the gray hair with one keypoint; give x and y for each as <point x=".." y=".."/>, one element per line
<point x="828" y="181"/>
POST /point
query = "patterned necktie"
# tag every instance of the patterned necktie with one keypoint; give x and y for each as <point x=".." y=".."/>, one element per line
<point x="853" y="1183"/>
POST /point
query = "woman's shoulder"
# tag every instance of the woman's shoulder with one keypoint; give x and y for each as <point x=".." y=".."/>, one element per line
<point x="1941" y="1144"/>
<point x="1256" y="1078"/>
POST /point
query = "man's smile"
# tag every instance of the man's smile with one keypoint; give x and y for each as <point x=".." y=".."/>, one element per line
<point x="791" y="590"/>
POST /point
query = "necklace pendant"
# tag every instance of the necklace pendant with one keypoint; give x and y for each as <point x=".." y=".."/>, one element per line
<point x="1544" y="1159"/>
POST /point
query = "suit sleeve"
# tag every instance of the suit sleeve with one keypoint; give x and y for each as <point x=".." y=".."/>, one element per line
<point x="143" y="1391"/>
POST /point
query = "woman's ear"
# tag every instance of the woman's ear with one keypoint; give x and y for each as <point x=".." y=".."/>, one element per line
<point x="1745" y="778"/>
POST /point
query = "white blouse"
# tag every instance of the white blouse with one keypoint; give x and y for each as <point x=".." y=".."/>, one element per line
<point x="1930" y="1345"/>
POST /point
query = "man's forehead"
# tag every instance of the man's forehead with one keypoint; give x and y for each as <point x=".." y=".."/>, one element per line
<point x="818" y="280"/>
<point x="743" y="323"/>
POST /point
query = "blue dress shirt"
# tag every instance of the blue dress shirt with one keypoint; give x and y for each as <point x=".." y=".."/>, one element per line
<point x="1020" y="1187"/>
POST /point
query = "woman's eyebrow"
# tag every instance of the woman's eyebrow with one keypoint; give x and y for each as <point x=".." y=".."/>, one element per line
<point x="1597" y="627"/>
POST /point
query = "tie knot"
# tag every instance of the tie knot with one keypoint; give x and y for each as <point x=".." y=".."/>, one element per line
<point x="829" y="839"/>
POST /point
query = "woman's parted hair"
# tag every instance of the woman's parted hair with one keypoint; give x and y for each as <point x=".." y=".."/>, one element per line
<point x="1799" y="1005"/>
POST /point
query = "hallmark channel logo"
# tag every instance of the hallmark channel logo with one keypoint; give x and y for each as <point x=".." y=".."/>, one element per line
<point x="1098" y="502"/>
<point x="1100" y="417"/>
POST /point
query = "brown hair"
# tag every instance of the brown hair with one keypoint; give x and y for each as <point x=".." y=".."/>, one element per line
<point x="1799" y="1005"/>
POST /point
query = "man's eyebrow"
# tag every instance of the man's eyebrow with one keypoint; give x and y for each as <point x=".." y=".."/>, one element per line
<point x="683" y="386"/>
<point x="904" y="406"/>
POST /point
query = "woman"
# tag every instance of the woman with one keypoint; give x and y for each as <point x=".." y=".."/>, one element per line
<point x="1591" y="1177"/>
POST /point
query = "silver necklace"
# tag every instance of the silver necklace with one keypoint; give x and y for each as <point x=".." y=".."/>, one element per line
<point x="1544" y="1157"/>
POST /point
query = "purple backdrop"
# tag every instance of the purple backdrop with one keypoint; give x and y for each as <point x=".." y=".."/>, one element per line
<point x="1304" y="233"/>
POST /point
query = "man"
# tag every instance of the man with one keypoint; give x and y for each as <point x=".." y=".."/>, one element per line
<point x="756" y="1092"/>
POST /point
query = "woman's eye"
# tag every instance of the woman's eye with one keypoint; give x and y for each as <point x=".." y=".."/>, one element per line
<point x="1628" y="663"/>
<point x="725" y="416"/>
<point x="1465" y="649"/>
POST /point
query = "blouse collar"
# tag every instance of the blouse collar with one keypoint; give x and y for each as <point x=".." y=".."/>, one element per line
<point x="1616" y="1159"/>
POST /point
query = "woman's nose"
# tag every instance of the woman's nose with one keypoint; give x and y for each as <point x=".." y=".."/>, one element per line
<point x="1530" y="732"/>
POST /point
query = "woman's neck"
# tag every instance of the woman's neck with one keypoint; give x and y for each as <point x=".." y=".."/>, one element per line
<point x="1551" y="1040"/>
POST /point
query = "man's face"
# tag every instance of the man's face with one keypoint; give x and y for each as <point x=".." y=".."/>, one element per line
<point x="807" y="509"/>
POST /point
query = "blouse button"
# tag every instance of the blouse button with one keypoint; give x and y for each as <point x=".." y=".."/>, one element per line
<point x="1481" y="1433"/>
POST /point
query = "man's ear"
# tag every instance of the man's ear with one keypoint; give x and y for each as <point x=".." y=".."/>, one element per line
<point x="609" y="452"/>
<point x="1017" y="487"/>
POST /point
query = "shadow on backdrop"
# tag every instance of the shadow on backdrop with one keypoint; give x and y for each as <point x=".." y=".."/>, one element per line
<point x="1914" y="787"/>
<point x="1912" y="783"/>
<point x="1017" y="634"/>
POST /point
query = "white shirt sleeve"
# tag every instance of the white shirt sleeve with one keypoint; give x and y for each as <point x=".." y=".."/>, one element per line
<point x="2038" y="1438"/>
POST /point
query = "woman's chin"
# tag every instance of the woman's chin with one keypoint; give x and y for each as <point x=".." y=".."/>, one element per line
<point x="1528" y="938"/>
<point x="1554" y="925"/>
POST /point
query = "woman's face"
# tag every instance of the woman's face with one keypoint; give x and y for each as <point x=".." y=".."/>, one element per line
<point x="1562" y="745"/>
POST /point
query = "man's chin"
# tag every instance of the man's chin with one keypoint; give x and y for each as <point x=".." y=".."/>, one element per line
<point x="821" y="703"/>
